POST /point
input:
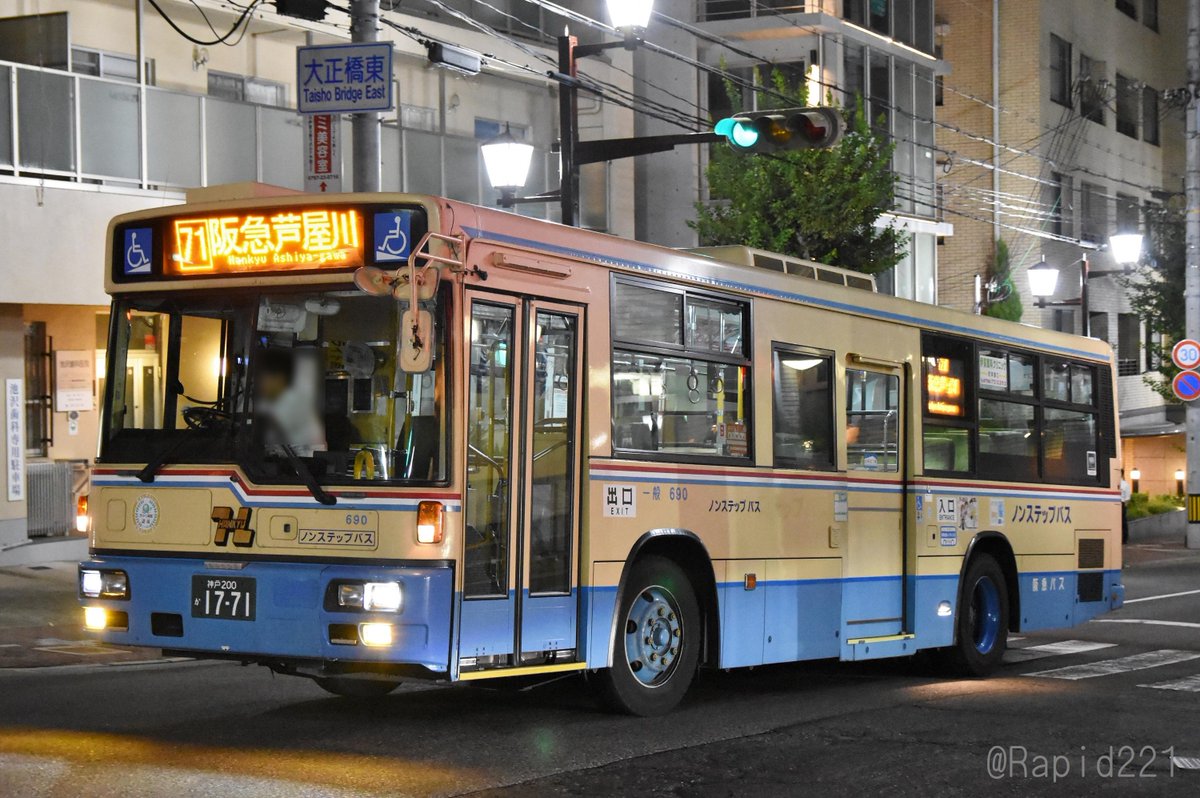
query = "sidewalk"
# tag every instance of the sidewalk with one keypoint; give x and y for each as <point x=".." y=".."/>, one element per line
<point x="41" y="623"/>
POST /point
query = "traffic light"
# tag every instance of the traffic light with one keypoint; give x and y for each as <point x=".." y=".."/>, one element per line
<point x="782" y="129"/>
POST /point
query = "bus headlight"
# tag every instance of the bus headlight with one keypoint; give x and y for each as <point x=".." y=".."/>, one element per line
<point x="383" y="596"/>
<point x="370" y="596"/>
<point x="103" y="584"/>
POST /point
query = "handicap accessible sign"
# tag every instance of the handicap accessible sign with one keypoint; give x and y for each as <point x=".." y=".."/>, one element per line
<point x="393" y="236"/>
<point x="138" y="249"/>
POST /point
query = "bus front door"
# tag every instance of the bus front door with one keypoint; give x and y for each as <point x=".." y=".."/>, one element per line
<point x="873" y="592"/>
<point x="521" y="524"/>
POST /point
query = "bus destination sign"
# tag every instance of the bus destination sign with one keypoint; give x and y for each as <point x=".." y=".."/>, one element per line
<point x="298" y="239"/>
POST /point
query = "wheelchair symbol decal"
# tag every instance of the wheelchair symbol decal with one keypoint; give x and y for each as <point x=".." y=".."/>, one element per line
<point x="139" y="251"/>
<point x="392" y="236"/>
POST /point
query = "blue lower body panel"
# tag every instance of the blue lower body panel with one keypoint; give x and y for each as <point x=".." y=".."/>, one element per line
<point x="290" y="617"/>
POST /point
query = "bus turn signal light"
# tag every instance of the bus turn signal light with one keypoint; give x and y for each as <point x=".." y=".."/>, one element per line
<point x="429" y="522"/>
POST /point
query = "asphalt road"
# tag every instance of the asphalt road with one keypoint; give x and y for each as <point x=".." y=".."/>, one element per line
<point x="1117" y="711"/>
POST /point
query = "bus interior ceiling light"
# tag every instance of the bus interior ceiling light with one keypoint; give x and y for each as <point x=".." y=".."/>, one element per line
<point x="454" y="58"/>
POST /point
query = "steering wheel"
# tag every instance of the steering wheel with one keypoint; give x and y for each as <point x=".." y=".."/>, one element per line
<point x="201" y="417"/>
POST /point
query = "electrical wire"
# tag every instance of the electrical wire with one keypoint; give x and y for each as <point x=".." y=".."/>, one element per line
<point x="221" y="39"/>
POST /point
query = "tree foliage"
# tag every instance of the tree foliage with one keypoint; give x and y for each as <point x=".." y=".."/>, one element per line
<point x="1000" y="270"/>
<point x="1156" y="292"/>
<point x="815" y="204"/>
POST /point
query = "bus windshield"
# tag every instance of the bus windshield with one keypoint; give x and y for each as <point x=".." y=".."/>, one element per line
<point x="261" y="379"/>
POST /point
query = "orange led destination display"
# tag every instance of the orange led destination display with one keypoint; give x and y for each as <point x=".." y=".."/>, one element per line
<point x="299" y="239"/>
<point x="944" y="390"/>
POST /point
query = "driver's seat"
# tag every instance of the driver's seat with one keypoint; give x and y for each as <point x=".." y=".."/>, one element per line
<point x="419" y="442"/>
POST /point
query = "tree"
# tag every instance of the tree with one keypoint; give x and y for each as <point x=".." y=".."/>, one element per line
<point x="1156" y="292"/>
<point x="1000" y="270"/>
<point x="815" y="204"/>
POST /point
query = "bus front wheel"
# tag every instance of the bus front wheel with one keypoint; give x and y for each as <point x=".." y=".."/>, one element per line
<point x="981" y="626"/>
<point x="656" y="644"/>
<point x="347" y="687"/>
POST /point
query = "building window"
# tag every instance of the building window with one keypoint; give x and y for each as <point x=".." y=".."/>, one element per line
<point x="241" y="88"/>
<point x="1091" y="90"/>
<point x="37" y="390"/>
<point x="1093" y="212"/>
<point x="115" y="66"/>
<point x="1127" y="106"/>
<point x="1128" y="214"/>
<point x="1150" y="14"/>
<point x="1128" y="8"/>
<point x="1129" y="344"/>
<point x="1060" y="70"/>
<point x="1061" y="199"/>
<point x="939" y="84"/>
<point x="1150" y="115"/>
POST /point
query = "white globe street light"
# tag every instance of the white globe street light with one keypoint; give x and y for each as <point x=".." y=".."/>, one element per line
<point x="630" y="15"/>
<point x="1042" y="280"/>
<point x="507" y="163"/>
<point x="1126" y="247"/>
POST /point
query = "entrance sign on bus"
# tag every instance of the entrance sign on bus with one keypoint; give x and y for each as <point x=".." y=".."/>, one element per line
<point x="1186" y="354"/>
<point x="344" y="78"/>
<point x="284" y="240"/>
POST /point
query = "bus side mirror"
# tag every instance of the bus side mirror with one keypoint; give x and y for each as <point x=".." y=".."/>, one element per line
<point x="415" y="346"/>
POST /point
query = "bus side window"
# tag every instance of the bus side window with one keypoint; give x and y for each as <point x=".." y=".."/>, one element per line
<point x="872" y="421"/>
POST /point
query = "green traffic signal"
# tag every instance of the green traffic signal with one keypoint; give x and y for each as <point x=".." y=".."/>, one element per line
<point x="782" y="129"/>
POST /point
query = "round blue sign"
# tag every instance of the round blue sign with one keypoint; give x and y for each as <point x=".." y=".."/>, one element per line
<point x="1186" y="385"/>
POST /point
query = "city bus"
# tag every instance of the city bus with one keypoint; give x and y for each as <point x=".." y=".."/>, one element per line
<point x="369" y="438"/>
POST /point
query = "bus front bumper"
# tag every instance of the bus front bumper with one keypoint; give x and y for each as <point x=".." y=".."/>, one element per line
<point x="274" y="610"/>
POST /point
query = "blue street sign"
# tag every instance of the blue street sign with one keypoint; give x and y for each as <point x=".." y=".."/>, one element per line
<point x="1186" y="385"/>
<point x="138" y="250"/>
<point x="393" y="236"/>
<point x="344" y="78"/>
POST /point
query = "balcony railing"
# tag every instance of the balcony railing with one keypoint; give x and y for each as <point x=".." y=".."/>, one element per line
<point x="77" y="128"/>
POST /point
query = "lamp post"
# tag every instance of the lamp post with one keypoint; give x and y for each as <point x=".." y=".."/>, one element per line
<point x="630" y="18"/>
<point x="1126" y="249"/>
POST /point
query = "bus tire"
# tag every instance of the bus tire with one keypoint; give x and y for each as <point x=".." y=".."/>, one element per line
<point x="348" y="687"/>
<point x="656" y="644"/>
<point x="981" y="626"/>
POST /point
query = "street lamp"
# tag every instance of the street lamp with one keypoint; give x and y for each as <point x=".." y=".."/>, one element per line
<point x="507" y="163"/>
<point x="1126" y="249"/>
<point x="630" y="16"/>
<point x="1180" y="475"/>
<point x="1136" y="475"/>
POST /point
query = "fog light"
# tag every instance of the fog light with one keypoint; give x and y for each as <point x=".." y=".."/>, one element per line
<point x="944" y="609"/>
<point x="382" y="596"/>
<point x="95" y="618"/>
<point x="429" y="522"/>
<point x="375" y="634"/>
<point x="350" y="595"/>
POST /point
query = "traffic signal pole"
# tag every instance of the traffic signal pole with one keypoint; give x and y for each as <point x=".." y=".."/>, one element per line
<point x="364" y="128"/>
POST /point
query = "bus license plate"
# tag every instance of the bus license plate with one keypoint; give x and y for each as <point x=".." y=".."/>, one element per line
<point x="230" y="598"/>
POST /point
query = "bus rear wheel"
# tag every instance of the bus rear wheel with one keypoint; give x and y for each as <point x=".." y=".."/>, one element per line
<point x="981" y="627"/>
<point x="349" y="687"/>
<point x="656" y="645"/>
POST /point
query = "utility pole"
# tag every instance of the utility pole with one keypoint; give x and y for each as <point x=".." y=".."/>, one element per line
<point x="1191" y="287"/>
<point x="364" y="128"/>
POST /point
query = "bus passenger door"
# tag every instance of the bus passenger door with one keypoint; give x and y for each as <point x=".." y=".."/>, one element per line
<point x="521" y="524"/>
<point x="493" y="361"/>
<point x="550" y="515"/>
<point x="873" y="593"/>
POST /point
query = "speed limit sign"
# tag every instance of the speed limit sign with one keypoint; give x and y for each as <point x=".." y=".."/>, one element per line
<point x="1186" y="354"/>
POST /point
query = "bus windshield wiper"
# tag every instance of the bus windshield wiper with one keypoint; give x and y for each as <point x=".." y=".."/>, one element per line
<point x="152" y="468"/>
<point x="306" y="476"/>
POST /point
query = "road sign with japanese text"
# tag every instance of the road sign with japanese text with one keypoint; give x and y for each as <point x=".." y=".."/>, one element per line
<point x="322" y="160"/>
<point x="344" y="78"/>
